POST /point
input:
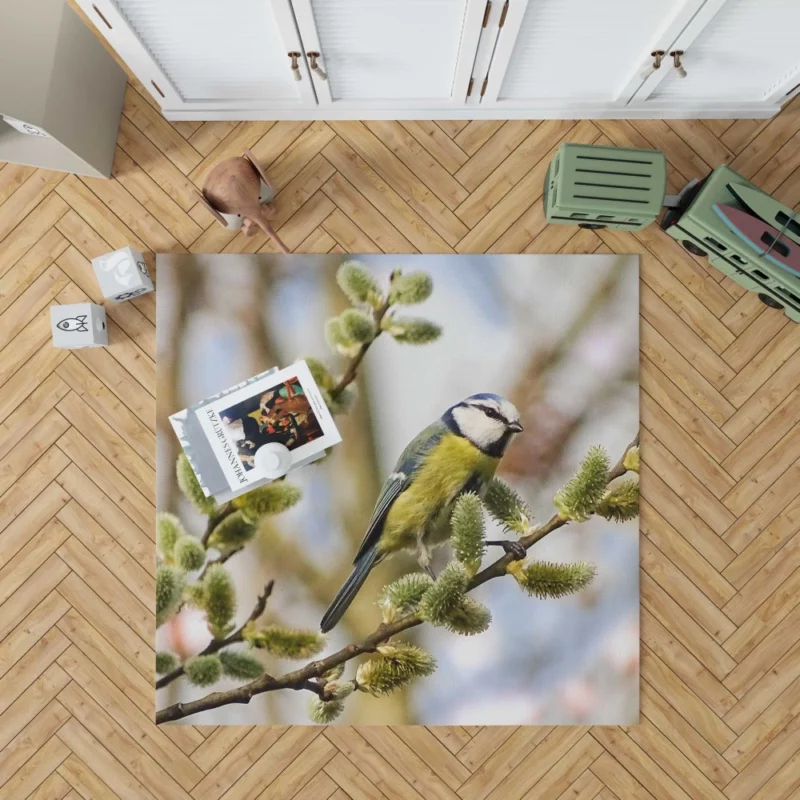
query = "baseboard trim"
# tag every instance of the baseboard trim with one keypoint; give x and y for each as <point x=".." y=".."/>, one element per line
<point x="704" y="111"/>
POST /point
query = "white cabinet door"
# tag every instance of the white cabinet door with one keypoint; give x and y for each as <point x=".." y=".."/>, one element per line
<point x="745" y="51"/>
<point x="577" y="55"/>
<point x="208" y="54"/>
<point x="390" y="53"/>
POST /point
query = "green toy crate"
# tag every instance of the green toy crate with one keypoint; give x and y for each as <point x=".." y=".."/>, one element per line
<point x="695" y="224"/>
<point x="598" y="187"/>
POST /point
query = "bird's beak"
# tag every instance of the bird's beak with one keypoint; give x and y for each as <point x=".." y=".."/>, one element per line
<point x="516" y="427"/>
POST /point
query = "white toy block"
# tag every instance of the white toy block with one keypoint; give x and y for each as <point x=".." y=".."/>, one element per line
<point x="122" y="274"/>
<point x="78" y="325"/>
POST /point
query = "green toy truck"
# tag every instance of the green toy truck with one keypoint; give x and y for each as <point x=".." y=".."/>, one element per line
<point x="605" y="187"/>
<point x="746" y="234"/>
<point x="695" y="224"/>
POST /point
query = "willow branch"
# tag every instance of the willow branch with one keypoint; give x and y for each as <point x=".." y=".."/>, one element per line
<point x="351" y="373"/>
<point x="214" y="520"/>
<point x="304" y="677"/>
<point x="218" y="644"/>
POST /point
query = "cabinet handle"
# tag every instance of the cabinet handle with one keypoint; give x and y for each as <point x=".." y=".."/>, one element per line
<point x="102" y="17"/>
<point x="676" y="60"/>
<point x="312" y="57"/>
<point x="295" y="66"/>
<point x="657" y="55"/>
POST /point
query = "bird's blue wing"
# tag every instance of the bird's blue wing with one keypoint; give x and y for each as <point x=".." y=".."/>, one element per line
<point x="409" y="462"/>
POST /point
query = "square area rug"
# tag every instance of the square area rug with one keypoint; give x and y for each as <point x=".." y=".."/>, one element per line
<point x="470" y="548"/>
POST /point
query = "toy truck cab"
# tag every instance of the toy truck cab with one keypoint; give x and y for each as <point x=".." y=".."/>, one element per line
<point x="701" y="231"/>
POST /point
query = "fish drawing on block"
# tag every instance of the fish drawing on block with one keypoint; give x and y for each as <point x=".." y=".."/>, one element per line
<point x="763" y="238"/>
<point x="77" y="324"/>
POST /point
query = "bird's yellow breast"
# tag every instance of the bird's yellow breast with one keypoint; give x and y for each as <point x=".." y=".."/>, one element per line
<point x="442" y="476"/>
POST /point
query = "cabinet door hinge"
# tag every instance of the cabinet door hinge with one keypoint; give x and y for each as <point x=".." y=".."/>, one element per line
<point x="469" y="88"/>
<point x="503" y="15"/>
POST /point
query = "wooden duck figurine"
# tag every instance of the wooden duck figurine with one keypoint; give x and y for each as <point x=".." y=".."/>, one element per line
<point x="234" y="188"/>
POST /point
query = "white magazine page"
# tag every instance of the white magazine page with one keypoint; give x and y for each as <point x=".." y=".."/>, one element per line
<point x="284" y="407"/>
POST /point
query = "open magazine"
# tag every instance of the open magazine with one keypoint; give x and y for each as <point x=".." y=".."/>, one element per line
<point x="222" y="434"/>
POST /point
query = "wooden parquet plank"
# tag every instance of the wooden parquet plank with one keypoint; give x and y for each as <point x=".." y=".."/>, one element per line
<point x="94" y="628"/>
<point x="34" y="735"/>
<point x="427" y="169"/>
<point x="433" y="777"/>
<point x="12" y="176"/>
<point x="503" y="762"/>
<point x="759" y="622"/>
<point x="535" y="147"/>
<point x="720" y="374"/>
<point x="437" y="143"/>
<point x="351" y="781"/>
<point x="384" y="197"/>
<point x="362" y="214"/>
<point x="31" y="629"/>
<point x="236" y="761"/>
<point x="702" y="758"/>
<point x="108" y="442"/>
<point x="119" y="743"/>
<point x="159" y="131"/>
<point x="105" y="768"/>
<point x="681" y="553"/>
<point x="30" y="267"/>
<point x="85" y="783"/>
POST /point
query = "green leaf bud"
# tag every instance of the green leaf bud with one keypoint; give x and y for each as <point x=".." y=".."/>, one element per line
<point x="240" y="665"/>
<point x="621" y="502"/>
<point x="395" y="665"/>
<point x="169" y="588"/>
<point x="233" y="532"/>
<point x="168" y="530"/>
<point x="444" y="597"/>
<point x="469" y="618"/>
<point x="324" y="712"/>
<point x="411" y="288"/>
<point x="467" y="532"/>
<point x="203" y="670"/>
<point x="165" y="662"/>
<point x="219" y="600"/>
<point x="412" y="330"/>
<point x="631" y="460"/>
<point x="357" y="326"/>
<point x="285" y="642"/>
<point x="546" y="580"/>
<point x="358" y="284"/>
<point x="266" y="501"/>
<point x="343" y="401"/>
<point x="189" y="485"/>
<point x="195" y="595"/>
<point x="578" y="498"/>
<point x="319" y="372"/>
<point x="334" y="673"/>
<point x="403" y="595"/>
<point x="507" y="507"/>
<point x="339" y="691"/>
<point x="337" y="340"/>
<point x="190" y="553"/>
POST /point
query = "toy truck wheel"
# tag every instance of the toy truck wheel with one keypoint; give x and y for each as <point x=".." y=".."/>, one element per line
<point x="592" y="226"/>
<point x="693" y="248"/>
<point x="769" y="301"/>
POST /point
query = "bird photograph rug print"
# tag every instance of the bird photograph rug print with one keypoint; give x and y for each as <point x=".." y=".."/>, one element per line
<point x="466" y="555"/>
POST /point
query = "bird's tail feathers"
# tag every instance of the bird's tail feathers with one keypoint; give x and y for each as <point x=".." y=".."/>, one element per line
<point x="363" y="566"/>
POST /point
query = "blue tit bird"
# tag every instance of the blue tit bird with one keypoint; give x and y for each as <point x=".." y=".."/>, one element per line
<point x="456" y="454"/>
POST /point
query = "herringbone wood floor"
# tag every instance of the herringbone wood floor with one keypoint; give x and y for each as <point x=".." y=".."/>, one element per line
<point x="720" y="379"/>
